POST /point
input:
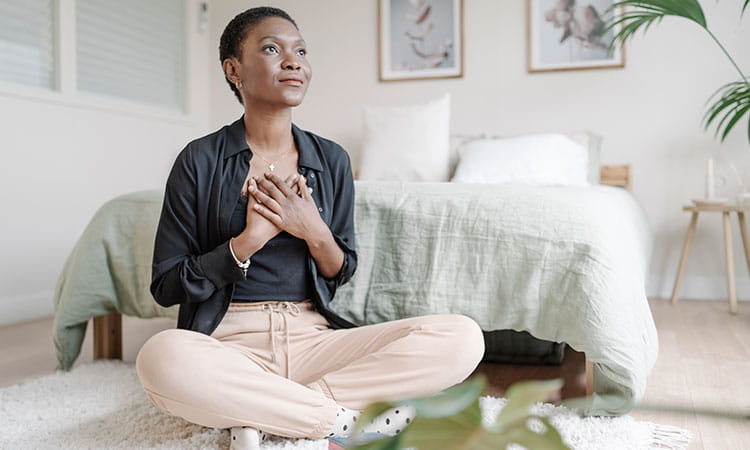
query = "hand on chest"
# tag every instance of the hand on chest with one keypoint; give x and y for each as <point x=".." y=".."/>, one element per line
<point x="288" y="203"/>
<point x="285" y="169"/>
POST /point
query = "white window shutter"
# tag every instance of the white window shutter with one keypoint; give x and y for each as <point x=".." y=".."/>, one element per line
<point x="133" y="50"/>
<point x="27" y="49"/>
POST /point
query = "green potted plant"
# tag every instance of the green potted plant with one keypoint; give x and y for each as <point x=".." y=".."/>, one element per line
<point x="452" y="419"/>
<point x="731" y="102"/>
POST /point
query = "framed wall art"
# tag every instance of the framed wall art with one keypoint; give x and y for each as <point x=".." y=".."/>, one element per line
<point x="568" y="35"/>
<point x="420" y="39"/>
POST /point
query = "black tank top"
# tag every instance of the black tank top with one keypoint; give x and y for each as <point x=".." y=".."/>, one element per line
<point x="278" y="271"/>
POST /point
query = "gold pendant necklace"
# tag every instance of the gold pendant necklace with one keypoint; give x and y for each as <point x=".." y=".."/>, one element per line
<point x="272" y="165"/>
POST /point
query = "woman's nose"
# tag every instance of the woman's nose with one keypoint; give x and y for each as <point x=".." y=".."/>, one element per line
<point x="290" y="61"/>
<point x="290" y="64"/>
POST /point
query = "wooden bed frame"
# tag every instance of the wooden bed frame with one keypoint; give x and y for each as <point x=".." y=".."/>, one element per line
<point x="575" y="370"/>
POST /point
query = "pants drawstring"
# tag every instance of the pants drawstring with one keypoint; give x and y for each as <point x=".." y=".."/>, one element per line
<point x="277" y="307"/>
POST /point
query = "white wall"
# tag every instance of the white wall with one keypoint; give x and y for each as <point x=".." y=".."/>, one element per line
<point x="649" y="112"/>
<point x="62" y="156"/>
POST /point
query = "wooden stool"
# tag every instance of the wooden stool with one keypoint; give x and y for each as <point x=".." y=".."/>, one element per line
<point x="725" y="210"/>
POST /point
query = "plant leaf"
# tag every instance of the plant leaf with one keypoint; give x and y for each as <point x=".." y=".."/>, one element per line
<point x="722" y="104"/>
<point x="371" y="412"/>
<point x="462" y="432"/>
<point x="521" y="396"/>
<point x="641" y="14"/>
<point x="449" y="401"/>
<point x="447" y="432"/>
<point x="738" y="113"/>
<point x="389" y="443"/>
<point x="465" y="430"/>
<point x="548" y="440"/>
<point x="732" y="104"/>
<point x="744" y="7"/>
<point x="727" y="94"/>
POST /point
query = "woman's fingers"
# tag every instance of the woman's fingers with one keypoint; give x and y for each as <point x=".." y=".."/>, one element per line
<point x="263" y="198"/>
<point x="271" y="189"/>
<point x="302" y="183"/>
<point x="259" y="188"/>
<point x="279" y="183"/>
<point x="291" y="181"/>
<point x="292" y="184"/>
<point x="246" y="187"/>
<point x="252" y="184"/>
<point x="268" y="214"/>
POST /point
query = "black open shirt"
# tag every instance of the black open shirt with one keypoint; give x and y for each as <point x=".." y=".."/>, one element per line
<point x="192" y="264"/>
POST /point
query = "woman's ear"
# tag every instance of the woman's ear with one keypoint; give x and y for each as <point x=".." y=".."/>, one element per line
<point x="231" y="69"/>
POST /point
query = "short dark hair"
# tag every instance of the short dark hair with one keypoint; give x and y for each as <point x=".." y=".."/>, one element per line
<point x="237" y="29"/>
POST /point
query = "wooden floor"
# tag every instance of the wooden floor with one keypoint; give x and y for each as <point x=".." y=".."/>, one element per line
<point x="703" y="366"/>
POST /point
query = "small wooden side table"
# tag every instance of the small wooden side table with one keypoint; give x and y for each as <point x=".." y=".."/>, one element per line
<point x="725" y="210"/>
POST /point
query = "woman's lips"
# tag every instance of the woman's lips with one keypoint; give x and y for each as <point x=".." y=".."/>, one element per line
<point x="293" y="82"/>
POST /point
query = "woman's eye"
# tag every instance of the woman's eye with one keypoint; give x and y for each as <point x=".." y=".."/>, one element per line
<point x="269" y="46"/>
<point x="302" y="51"/>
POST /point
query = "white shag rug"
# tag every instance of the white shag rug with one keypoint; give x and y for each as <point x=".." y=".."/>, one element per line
<point x="102" y="405"/>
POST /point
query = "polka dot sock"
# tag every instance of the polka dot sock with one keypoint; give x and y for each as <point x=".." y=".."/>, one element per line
<point x="246" y="438"/>
<point x="345" y="420"/>
<point x="390" y="423"/>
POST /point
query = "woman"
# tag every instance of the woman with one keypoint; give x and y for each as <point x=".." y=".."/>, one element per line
<point x="253" y="249"/>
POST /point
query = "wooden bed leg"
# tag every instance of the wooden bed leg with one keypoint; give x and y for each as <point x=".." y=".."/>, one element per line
<point x="108" y="336"/>
<point x="589" y="378"/>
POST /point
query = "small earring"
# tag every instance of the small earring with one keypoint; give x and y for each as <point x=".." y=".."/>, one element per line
<point x="239" y="85"/>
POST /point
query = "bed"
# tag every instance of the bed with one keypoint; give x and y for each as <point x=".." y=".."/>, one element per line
<point x="564" y="265"/>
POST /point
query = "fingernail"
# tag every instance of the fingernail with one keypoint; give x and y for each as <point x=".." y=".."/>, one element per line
<point x="251" y="188"/>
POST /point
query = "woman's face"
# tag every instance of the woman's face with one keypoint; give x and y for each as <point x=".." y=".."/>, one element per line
<point x="274" y="67"/>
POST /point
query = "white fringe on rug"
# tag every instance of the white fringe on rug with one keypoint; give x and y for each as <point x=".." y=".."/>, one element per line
<point x="596" y="433"/>
<point x="102" y="405"/>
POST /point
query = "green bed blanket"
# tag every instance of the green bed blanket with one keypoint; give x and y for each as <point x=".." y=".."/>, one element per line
<point x="565" y="264"/>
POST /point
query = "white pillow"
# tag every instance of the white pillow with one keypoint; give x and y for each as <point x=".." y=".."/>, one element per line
<point x="588" y="139"/>
<point x="538" y="159"/>
<point x="406" y="143"/>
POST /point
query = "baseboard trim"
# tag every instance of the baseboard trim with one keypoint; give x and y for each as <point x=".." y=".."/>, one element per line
<point x="26" y="307"/>
<point x="700" y="287"/>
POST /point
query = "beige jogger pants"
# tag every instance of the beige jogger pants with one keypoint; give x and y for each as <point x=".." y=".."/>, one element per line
<point x="281" y="368"/>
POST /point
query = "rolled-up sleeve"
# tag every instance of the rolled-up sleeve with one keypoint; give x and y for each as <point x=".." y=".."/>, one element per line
<point x="342" y="221"/>
<point x="181" y="271"/>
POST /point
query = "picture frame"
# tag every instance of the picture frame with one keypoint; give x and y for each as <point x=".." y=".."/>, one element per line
<point x="564" y="35"/>
<point x="420" y="39"/>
